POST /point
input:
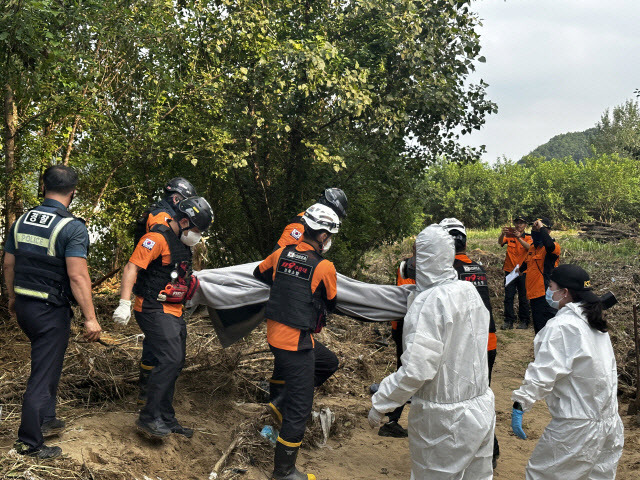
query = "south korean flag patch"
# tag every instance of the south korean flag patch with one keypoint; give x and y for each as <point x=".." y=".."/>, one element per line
<point x="148" y="244"/>
<point x="295" y="233"/>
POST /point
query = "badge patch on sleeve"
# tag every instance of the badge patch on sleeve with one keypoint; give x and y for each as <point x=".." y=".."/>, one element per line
<point x="148" y="244"/>
<point x="295" y="233"/>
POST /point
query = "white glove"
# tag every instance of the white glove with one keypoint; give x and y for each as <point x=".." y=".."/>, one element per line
<point x="375" y="417"/>
<point x="122" y="314"/>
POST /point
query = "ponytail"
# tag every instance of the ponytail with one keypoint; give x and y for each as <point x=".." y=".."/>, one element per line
<point x="592" y="310"/>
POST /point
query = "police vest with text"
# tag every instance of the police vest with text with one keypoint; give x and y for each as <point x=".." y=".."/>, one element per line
<point x="40" y="273"/>
<point x="153" y="282"/>
<point x="292" y="302"/>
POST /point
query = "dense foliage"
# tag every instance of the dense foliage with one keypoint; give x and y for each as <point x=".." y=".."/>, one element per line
<point x="261" y="104"/>
<point x="603" y="188"/>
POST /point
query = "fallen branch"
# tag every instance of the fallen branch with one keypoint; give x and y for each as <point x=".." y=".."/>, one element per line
<point x="104" y="278"/>
<point x="216" y="469"/>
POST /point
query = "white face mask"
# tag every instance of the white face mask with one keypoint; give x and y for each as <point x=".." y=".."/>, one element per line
<point x="549" y="298"/>
<point x="326" y="246"/>
<point x="190" y="238"/>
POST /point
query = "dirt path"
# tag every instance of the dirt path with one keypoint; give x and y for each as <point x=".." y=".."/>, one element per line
<point x="109" y="446"/>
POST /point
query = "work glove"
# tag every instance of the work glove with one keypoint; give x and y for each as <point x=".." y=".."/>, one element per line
<point x="375" y="418"/>
<point x="516" y="423"/>
<point x="122" y="314"/>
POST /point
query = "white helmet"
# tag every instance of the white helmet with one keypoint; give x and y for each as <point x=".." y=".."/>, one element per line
<point x="450" y="224"/>
<point x="321" y="217"/>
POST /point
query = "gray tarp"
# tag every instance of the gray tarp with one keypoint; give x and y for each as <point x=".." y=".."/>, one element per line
<point x="234" y="297"/>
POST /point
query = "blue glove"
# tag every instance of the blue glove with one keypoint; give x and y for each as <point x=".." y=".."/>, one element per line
<point x="516" y="423"/>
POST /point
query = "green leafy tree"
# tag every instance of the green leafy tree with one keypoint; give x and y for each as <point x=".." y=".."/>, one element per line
<point x="618" y="131"/>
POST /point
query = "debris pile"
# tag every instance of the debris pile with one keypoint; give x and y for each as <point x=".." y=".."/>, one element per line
<point x="608" y="232"/>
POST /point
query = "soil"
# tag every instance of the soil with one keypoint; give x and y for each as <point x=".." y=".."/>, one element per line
<point x="105" y="444"/>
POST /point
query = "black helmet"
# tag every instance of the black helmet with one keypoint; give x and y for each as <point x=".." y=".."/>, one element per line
<point x="180" y="185"/>
<point x="197" y="210"/>
<point x="336" y="199"/>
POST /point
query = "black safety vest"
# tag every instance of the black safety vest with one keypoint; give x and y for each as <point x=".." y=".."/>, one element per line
<point x="40" y="271"/>
<point x="474" y="272"/>
<point x="156" y="276"/>
<point x="154" y="209"/>
<point x="291" y="301"/>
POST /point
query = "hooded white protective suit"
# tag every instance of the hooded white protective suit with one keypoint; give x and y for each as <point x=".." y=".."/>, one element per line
<point x="575" y="371"/>
<point x="444" y="367"/>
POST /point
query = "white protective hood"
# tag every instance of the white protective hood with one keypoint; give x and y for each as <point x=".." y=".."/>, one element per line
<point x="445" y="369"/>
<point x="435" y="253"/>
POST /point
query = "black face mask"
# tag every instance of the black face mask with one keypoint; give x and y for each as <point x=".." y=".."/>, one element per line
<point x="537" y="237"/>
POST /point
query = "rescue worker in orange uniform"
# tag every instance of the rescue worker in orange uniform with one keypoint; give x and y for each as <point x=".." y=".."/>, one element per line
<point x="159" y="274"/>
<point x="518" y="243"/>
<point x="333" y="198"/>
<point x="542" y="258"/>
<point x="406" y="275"/>
<point x="303" y="291"/>
<point x="475" y="273"/>
<point x="159" y="213"/>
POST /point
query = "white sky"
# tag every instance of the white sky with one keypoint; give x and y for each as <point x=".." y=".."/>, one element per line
<point x="553" y="66"/>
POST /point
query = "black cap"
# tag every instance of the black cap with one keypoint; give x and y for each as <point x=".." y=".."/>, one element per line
<point x="520" y="217"/>
<point x="575" y="278"/>
<point x="545" y="222"/>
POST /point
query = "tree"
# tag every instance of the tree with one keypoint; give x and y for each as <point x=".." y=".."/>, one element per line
<point x="619" y="131"/>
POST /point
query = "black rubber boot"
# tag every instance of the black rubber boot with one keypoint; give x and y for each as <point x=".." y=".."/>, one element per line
<point x="284" y="464"/>
<point x="507" y="325"/>
<point x="143" y="381"/>
<point x="276" y="400"/>
<point x="522" y="326"/>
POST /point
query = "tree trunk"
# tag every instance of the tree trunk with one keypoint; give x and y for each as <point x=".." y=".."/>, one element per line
<point x="10" y="126"/>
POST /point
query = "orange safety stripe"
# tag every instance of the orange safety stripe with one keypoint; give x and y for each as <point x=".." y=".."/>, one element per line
<point x="493" y="341"/>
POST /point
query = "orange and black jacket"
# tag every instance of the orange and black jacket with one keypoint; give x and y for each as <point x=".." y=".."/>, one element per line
<point x="159" y="213"/>
<point x="473" y="272"/>
<point x="156" y="254"/>
<point x="303" y="291"/>
<point x="292" y="233"/>
<point x="541" y="259"/>
<point x="516" y="253"/>
<point x="400" y="280"/>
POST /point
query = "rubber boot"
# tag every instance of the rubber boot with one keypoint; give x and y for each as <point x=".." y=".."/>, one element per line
<point x="143" y="381"/>
<point x="284" y="464"/>
<point x="276" y="400"/>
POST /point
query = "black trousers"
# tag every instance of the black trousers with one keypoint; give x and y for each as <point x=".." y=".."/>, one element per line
<point x="166" y="337"/>
<point x="541" y="312"/>
<point x="301" y="370"/>
<point x="147" y="358"/>
<point x="396" y="334"/>
<point x="47" y="327"/>
<point x="516" y="285"/>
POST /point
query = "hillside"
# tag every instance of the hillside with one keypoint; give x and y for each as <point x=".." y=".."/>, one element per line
<point x="572" y="144"/>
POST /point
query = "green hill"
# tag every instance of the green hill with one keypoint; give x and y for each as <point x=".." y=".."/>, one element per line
<point x="574" y="144"/>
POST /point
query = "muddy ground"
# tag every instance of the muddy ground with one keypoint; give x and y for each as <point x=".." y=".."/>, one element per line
<point x="220" y="395"/>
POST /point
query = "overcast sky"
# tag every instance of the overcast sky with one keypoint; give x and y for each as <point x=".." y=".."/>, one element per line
<point x="553" y="66"/>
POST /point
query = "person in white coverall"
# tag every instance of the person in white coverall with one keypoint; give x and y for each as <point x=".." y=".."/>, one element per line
<point x="575" y="371"/>
<point x="445" y="369"/>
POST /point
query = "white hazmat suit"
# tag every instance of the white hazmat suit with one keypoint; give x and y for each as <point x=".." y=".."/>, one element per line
<point x="444" y="367"/>
<point x="575" y="371"/>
